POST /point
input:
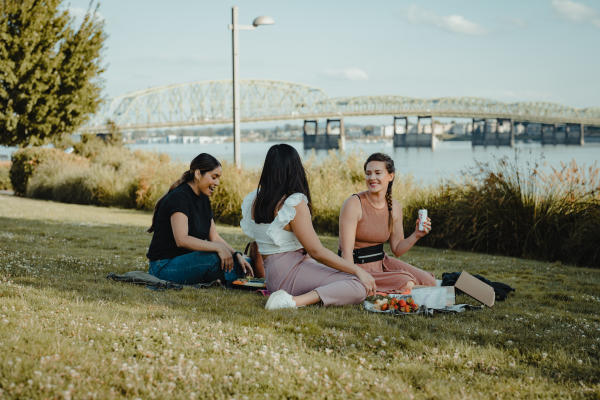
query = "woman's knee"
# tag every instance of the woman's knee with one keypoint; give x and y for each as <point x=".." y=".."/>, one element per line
<point x="206" y="259"/>
<point x="359" y="292"/>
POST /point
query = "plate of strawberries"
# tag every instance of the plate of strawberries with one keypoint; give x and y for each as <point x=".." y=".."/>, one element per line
<point x="392" y="304"/>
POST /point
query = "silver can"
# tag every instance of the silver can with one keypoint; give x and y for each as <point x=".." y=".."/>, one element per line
<point x="422" y="219"/>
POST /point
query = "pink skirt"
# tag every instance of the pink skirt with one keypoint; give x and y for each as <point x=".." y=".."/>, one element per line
<point x="391" y="275"/>
<point x="297" y="273"/>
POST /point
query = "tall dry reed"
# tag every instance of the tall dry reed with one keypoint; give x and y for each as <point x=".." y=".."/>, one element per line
<point x="518" y="211"/>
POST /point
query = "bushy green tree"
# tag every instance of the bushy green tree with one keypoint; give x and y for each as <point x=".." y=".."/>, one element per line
<point x="49" y="70"/>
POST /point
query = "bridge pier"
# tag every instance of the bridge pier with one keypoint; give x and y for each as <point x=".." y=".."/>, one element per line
<point x="419" y="118"/>
<point x="544" y="138"/>
<point x="418" y="139"/>
<point x="342" y="136"/>
<point x="505" y="138"/>
<point x="327" y="141"/>
<point x="477" y="133"/>
<point x="400" y="139"/>
<point x="480" y="137"/>
<point x="310" y="140"/>
<point x="578" y="138"/>
<point x="525" y="129"/>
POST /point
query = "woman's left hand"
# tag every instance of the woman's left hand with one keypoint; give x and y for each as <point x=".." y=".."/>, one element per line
<point x="426" y="228"/>
<point x="246" y="267"/>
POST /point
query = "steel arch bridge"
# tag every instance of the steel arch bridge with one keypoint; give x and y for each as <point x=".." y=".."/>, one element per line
<point x="210" y="103"/>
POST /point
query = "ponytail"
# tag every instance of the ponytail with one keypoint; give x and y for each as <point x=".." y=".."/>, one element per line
<point x="203" y="162"/>
<point x="186" y="177"/>
<point x="388" y="198"/>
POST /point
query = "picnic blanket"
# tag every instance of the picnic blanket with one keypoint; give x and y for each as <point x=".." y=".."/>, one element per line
<point x="152" y="282"/>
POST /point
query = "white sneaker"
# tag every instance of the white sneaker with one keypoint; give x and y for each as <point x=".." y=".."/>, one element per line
<point x="280" y="299"/>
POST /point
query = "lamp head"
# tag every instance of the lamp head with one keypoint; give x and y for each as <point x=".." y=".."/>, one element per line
<point x="263" y="20"/>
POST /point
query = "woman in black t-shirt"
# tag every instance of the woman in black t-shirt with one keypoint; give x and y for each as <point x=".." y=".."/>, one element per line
<point x="185" y="246"/>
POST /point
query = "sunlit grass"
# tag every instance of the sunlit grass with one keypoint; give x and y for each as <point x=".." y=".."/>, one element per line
<point x="68" y="332"/>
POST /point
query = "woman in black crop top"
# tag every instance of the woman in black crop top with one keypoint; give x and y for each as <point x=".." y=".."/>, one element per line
<point x="185" y="246"/>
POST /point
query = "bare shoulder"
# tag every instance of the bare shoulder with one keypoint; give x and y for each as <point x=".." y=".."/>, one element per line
<point x="302" y="206"/>
<point x="352" y="206"/>
<point x="352" y="202"/>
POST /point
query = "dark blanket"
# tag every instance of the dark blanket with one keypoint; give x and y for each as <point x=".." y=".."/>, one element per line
<point x="152" y="282"/>
<point x="501" y="290"/>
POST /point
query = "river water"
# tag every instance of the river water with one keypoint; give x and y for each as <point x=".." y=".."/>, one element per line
<point x="448" y="161"/>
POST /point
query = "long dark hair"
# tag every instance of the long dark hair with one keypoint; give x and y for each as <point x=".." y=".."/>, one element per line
<point x="203" y="162"/>
<point x="282" y="175"/>
<point x="389" y="166"/>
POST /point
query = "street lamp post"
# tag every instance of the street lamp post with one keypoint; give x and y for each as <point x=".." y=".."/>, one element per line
<point x="262" y="20"/>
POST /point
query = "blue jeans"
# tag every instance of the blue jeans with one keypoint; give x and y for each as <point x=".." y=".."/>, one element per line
<point x="194" y="267"/>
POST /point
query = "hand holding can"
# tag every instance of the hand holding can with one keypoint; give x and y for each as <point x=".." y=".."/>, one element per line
<point x="422" y="219"/>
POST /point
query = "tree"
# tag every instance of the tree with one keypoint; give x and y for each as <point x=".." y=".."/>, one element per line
<point x="49" y="70"/>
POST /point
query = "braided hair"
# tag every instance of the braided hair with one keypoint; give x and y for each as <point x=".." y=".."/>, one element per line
<point x="203" y="162"/>
<point x="389" y="166"/>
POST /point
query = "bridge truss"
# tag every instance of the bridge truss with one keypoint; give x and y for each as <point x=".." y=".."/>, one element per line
<point x="210" y="103"/>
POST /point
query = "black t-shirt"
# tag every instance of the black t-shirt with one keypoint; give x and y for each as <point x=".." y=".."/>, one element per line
<point x="197" y="209"/>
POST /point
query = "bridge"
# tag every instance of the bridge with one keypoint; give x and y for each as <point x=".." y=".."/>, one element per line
<point x="210" y="103"/>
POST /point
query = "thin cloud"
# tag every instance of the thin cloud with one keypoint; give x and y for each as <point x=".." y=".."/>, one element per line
<point x="450" y="23"/>
<point x="576" y="12"/>
<point x="350" y="74"/>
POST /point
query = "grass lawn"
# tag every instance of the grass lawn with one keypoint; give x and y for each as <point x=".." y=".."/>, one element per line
<point x="68" y="332"/>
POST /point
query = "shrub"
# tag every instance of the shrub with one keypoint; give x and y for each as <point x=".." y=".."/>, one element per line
<point x="521" y="213"/>
<point x="113" y="176"/>
<point x="4" y="175"/>
<point x="153" y="179"/>
<point x="91" y="146"/>
<point x="25" y="161"/>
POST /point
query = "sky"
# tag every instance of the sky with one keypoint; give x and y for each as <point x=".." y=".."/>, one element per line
<point x="534" y="50"/>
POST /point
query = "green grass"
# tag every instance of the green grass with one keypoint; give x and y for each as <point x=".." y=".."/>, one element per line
<point x="67" y="332"/>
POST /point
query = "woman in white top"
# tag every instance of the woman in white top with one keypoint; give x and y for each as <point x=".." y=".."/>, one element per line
<point x="299" y="270"/>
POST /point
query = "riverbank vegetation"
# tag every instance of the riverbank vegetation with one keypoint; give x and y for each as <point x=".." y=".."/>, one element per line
<point x="5" y="176"/>
<point x="497" y="208"/>
<point x="68" y="332"/>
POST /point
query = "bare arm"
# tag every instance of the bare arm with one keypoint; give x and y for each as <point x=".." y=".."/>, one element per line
<point x="214" y="236"/>
<point x="349" y="216"/>
<point x="179" y="224"/>
<point x="303" y="229"/>
<point x="398" y="243"/>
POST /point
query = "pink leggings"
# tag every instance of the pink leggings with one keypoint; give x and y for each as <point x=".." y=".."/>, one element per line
<point x="297" y="273"/>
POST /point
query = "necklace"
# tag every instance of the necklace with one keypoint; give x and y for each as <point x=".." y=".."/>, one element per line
<point x="373" y="205"/>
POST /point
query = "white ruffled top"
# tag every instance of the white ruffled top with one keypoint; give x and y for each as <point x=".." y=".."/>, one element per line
<point x="272" y="238"/>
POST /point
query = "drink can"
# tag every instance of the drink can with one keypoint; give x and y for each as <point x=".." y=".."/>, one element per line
<point x="422" y="219"/>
